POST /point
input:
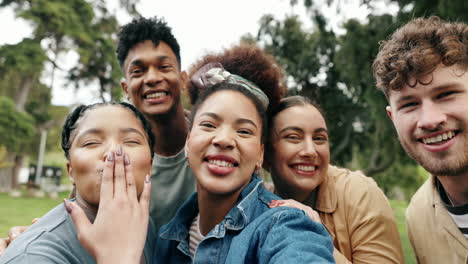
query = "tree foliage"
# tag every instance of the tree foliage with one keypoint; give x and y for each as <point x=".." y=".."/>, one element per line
<point x="16" y="128"/>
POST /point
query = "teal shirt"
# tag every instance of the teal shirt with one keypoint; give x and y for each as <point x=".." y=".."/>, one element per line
<point x="53" y="239"/>
<point x="172" y="182"/>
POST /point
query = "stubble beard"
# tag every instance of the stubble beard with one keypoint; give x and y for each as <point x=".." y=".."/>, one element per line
<point x="440" y="164"/>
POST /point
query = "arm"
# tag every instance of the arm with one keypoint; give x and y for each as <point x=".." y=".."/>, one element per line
<point x="294" y="238"/>
<point x="314" y="216"/>
<point x="118" y="233"/>
<point x="12" y="235"/>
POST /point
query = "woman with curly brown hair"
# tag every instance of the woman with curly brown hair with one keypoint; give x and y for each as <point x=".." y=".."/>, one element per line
<point x="228" y="220"/>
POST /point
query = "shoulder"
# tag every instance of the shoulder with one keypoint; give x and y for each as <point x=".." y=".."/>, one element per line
<point x="421" y="202"/>
<point x="53" y="237"/>
<point x="359" y="196"/>
<point x="353" y="184"/>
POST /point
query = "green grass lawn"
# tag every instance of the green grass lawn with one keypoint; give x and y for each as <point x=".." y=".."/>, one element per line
<point x="399" y="208"/>
<point x="20" y="211"/>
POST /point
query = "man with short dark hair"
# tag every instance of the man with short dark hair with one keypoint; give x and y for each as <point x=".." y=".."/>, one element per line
<point x="422" y="70"/>
<point x="153" y="81"/>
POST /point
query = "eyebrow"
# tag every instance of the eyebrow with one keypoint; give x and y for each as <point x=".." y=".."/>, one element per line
<point x="238" y="121"/>
<point x="298" y="129"/>
<point x="140" y="63"/>
<point x="436" y="89"/>
<point x="100" y="131"/>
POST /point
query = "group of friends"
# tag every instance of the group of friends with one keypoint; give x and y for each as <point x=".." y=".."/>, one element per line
<point x="154" y="183"/>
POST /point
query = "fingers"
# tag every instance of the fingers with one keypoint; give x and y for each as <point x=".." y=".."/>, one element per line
<point x="146" y="194"/>
<point x="35" y="220"/>
<point x="295" y="204"/>
<point x="14" y="232"/>
<point x="3" y="244"/>
<point x="130" y="180"/>
<point x="107" y="182"/>
<point x="78" y="217"/>
<point x="120" y="188"/>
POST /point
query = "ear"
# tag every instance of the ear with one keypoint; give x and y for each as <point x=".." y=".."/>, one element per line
<point x="69" y="171"/>
<point x="260" y="161"/>
<point x="389" y="112"/>
<point x="123" y="84"/>
<point x="184" y="77"/>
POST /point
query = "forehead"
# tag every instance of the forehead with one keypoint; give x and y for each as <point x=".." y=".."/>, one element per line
<point x="148" y="52"/>
<point x="306" y="117"/>
<point x="442" y="77"/>
<point x="230" y="104"/>
<point x="109" y="116"/>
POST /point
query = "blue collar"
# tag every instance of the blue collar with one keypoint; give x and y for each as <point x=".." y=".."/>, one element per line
<point x="237" y="218"/>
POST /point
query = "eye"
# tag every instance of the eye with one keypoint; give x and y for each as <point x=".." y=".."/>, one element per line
<point x="207" y="125"/>
<point x="245" y="132"/>
<point x="166" y="67"/>
<point x="292" y="136"/>
<point x="91" y="143"/>
<point x="132" y="142"/>
<point x="408" y="105"/>
<point x="445" y="94"/>
<point x="320" y="139"/>
<point x="136" y="71"/>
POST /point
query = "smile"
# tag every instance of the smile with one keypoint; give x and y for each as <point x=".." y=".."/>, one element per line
<point x="439" y="138"/>
<point x="221" y="163"/>
<point x="305" y="168"/>
<point x="156" y="95"/>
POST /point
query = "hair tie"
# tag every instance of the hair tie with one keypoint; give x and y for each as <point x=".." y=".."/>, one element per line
<point x="214" y="73"/>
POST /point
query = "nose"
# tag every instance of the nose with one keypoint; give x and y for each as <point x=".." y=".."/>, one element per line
<point x="431" y="116"/>
<point x="153" y="76"/>
<point x="224" y="138"/>
<point x="110" y="147"/>
<point x="308" y="148"/>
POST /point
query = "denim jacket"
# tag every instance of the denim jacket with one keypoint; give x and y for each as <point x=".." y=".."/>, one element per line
<point x="250" y="233"/>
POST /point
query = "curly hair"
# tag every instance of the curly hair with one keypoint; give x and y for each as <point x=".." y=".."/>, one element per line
<point x="416" y="49"/>
<point x="249" y="62"/>
<point x="72" y="122"/>
<point x="142" y="29"/>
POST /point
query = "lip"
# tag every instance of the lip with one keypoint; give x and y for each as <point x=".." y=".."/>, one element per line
<point x="219" y="170"/>
<point x="437" y="133"/>
<point x="439" y="147"/>
<point x="156" y="100"/>
<point x="304" y="173"/>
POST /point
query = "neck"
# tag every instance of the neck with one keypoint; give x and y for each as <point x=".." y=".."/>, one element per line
<point x="297" y="195"/>
<point x="456" y="188"/>
<point x="170" y="132"/>
<point x="90" y="210"/>
<point x="213" y="209"/>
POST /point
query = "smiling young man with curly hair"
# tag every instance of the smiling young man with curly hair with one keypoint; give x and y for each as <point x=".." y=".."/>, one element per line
<point x="422" y="70"/>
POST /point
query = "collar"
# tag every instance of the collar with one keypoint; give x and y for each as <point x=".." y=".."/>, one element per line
<point x="327" y="200"/>
<point x="237" y="218"/>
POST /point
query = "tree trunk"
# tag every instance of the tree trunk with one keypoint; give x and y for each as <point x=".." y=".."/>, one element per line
<point x="24" y="89"/>
<point x="18" y="164"/>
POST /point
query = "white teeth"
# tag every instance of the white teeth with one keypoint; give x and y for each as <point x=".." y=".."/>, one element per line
<point x="438" y="138"/>
<point x="221" y="163"/>
<point x="305" y="168"/>
<point x="156" y="95"/>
